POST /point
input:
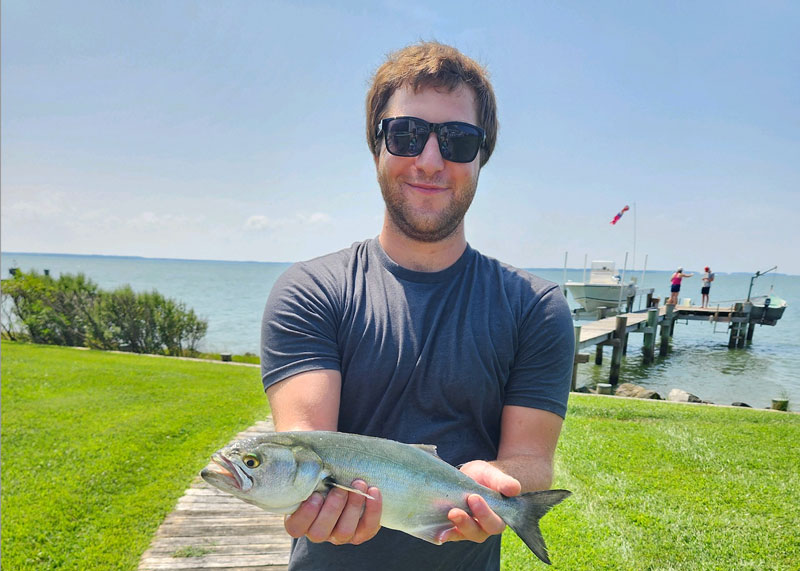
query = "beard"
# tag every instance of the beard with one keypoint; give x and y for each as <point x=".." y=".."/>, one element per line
<point x="426" y="225"/>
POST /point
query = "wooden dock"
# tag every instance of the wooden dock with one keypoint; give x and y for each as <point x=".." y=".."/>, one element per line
<point x="614" y="331"/>
<point x="209" y="529"/>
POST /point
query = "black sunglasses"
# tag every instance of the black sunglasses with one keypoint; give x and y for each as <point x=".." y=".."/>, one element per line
<point x="406" y="137"/>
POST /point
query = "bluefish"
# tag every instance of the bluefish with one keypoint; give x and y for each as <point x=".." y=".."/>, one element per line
<point x="277" y="471"/>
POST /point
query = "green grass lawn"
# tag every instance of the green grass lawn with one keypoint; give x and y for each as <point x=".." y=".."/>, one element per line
<point x="668" y="486"/>
<point x="97" y="447"/>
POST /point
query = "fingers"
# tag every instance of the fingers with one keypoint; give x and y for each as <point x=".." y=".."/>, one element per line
<point x="348" y="520"/>
<point x="497" y="480"/>
<point x="506" y="485"/>
<point x="297" y="524"/>
<point x="478" y="527"/>
<point x="492" y="477"/>
<point x="370" y="522"/>
<point x="340" y="517"/>
<point x="489" y="522"/>
<point x="328" y="516"/>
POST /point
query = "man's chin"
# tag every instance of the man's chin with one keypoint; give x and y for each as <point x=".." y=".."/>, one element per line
<point x="426" y="231"/>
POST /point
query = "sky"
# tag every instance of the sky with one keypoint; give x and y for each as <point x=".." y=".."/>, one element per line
<point x="235" y="130"/>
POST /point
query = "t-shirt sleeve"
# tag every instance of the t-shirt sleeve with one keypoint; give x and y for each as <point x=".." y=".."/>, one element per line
<point x="299" y="326"/>
<point x="542" y="371"/>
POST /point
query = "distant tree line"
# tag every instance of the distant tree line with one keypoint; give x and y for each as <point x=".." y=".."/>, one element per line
<point x="72" y="310"/>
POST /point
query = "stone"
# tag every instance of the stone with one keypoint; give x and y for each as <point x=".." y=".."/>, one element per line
<point x="740" y="403"/>
<point x="679" y="395"/>
<point x="635" y="391"/>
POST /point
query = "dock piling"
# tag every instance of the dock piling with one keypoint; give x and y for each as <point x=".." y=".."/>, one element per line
<point x="575" y="359"/>
<point x="671" y="313"/>
<point x="650" y="335"/>
<point x="616" y="355"/>
<point x="666" y="330"/>
<point x="738" y="326"/>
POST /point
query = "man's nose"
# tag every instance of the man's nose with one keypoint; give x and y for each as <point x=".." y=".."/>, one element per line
<point x="430" y="159"/>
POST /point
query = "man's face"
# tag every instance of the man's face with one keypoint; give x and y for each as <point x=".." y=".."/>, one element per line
<point x="426" y="196"/>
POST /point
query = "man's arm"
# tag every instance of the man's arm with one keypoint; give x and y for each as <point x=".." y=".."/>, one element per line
<point x="310" y="401"/>
<point x="306" y="401"/>
<point x="527" y="445"/>
<point x="524" y="463"/>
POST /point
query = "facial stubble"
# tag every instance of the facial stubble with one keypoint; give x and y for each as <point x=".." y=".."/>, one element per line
<point x="425" y="226"/>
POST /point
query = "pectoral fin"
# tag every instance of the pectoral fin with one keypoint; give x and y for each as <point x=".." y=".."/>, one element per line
<point x="328" y="481"/>
<point x="359" y="492"/>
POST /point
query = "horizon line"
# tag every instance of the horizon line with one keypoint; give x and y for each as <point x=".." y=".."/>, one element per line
<point x="132" y="257"/>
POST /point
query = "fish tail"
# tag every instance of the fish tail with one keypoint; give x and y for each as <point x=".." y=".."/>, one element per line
<point x="531" y="507"/>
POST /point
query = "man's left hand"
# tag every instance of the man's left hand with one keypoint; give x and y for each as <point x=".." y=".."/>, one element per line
<point x="483" y="522"/>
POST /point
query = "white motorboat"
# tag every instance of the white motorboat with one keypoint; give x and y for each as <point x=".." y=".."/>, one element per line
<point x="767" y="309"/>
<point x="604" y="290"/>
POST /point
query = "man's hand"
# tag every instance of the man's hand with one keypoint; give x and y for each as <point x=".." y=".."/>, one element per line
<point x="483" y="522"/>
<point x="341" y="517"/>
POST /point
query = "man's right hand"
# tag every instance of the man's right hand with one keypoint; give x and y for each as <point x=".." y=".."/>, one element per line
<point x="341" y="517"/>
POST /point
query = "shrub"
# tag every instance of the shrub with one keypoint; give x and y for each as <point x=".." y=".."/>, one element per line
<point x="55" y="312"/>
<point x="73" y="311"/>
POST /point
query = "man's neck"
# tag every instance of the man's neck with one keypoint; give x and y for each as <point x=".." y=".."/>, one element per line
<point x="422" y="256"/>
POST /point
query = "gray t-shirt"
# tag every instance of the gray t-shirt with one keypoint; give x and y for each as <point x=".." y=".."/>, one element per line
<point x="428" y="358"/>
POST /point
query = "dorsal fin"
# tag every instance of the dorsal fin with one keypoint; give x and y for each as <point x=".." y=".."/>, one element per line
<point x="429" y="448"/>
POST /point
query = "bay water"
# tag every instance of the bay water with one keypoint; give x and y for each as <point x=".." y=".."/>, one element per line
<point x="231" y="296"/>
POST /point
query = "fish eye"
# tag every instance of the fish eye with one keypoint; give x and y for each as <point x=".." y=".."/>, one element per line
<point x="251" y="461"/>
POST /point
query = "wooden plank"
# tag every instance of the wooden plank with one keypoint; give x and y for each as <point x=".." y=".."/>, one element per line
<point x="216" y="562"/>
<point x="214" y="530"/>
<point x="248" y="568"/>
<point x="170" y="549"/>
<point x="255" y="539"/>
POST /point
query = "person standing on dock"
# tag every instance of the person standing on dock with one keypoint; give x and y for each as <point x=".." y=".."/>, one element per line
<point x="675" y="285"/>
<point x="415" y="336"/>
<point x="708" y="277"/>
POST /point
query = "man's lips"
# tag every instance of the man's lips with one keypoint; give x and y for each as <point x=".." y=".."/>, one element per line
<point x="425" y="187"/>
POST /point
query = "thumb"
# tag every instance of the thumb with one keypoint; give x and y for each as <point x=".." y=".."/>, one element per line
<point x="506" y="485"/>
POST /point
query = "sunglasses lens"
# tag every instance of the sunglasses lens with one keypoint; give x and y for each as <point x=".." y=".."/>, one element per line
<point x="406" y="137"/>
<point x="458" y="142"/>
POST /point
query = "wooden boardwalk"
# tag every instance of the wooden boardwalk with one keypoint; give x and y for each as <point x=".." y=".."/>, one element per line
<point x="209" y="529"/>
<point x="613" y="331"/>
<point x="602" y="330"/>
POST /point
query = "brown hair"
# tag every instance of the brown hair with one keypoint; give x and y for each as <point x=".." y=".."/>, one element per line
<point x="431" y="64"/>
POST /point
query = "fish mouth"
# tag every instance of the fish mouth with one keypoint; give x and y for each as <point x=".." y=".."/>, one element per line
<point x="223" y="471"/>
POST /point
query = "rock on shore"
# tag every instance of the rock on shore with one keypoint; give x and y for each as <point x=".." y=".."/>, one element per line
<point x="679" y="395"/>
<point x="635" y="391"/>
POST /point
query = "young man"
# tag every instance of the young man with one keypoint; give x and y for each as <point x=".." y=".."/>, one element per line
<point x="417" y="337"/>
<point x="708" y="277"/>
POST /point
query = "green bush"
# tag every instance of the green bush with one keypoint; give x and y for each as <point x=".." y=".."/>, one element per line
<point x="72" y="310"/>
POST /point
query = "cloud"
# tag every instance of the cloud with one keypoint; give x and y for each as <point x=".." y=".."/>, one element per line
<point x="34" y="203"/>
<point x="149" y="220"/>
<point x="315" y="218"/>
<point x="260" y="222"/>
